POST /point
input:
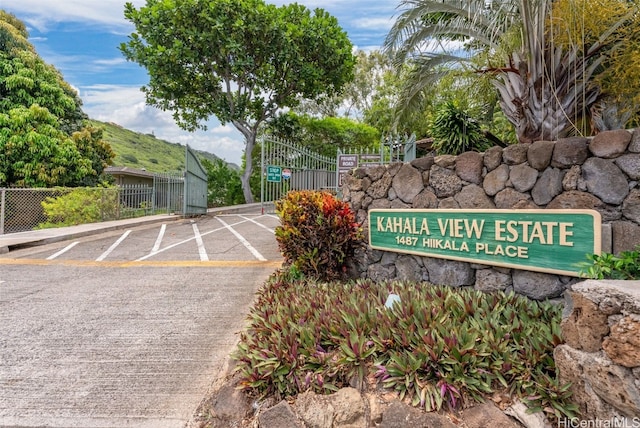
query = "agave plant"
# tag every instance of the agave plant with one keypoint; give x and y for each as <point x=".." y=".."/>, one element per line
<point x="545" y="89"/>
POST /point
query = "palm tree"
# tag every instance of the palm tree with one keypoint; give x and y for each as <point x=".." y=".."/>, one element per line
<point x="545" y="89"/>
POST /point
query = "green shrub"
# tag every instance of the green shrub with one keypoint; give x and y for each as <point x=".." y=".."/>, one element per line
<point x="80" y="206"/>
<point x="454" y="131"/>
<point x="130" y="158"/>
<point x="608" y="266"/>
<point x="438" y="346"/>
<point x="317" y="233"/>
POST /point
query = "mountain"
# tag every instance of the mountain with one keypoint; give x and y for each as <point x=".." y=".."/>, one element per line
<point x="145" y="151"/>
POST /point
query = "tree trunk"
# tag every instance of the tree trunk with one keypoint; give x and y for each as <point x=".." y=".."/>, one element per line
<point x="245" y="178"/>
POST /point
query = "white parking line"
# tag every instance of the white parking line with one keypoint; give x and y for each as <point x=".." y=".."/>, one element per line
<point x="201" y="250"/>
<point x="259" y="224"/>
<point x="244" y="242"/>
<point x="64" y="250"/>
<point x="156" y="246"/>
<point x="114" y="246"/>
<point x="168" y="247"/>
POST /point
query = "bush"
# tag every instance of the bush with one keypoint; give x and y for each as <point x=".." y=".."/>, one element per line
<point x="608" y="266"/>
<point x="454" y="131"/>
<point x="437" y="346"/>
<point x="80" y="206"/>
<point x="317" y="233"/>
<point x="130" y="158"/>
<point x="223" y="184"/>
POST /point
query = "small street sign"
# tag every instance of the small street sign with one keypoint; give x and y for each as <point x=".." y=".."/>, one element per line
<point x="345" y="164"/>
<point x="286" y="174"/>
<point x="274" y="174"/>
<point x="347" y="161"/>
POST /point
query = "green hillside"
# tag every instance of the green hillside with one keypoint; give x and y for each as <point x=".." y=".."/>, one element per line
<point x="144" y="151"/>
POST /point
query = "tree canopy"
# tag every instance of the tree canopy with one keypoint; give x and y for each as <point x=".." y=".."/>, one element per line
<point x="324" y="135"/>
<point x="546" y="86"/>
<point x="223" y="184"/>
<point x="43" y="139"/>
<point x="238" y="60"/>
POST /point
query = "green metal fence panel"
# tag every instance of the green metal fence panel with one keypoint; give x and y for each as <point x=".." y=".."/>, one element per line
<point x="288" y="166"/>
<point x="195" y="185"/>
<point x="168" y="193"/>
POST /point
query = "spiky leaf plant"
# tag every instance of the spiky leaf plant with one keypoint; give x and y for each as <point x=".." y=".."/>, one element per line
<point x="438" y="347"/>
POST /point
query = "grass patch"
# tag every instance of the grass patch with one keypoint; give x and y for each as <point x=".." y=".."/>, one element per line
<point x="137" y="150"/>
<point x="438" y="346"/>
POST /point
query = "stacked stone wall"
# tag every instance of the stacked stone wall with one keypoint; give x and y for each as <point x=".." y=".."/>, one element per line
<point x="601" y="353"/>
<point x="600" y="173"/>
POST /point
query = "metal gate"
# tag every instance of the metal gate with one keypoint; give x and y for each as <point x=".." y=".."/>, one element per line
<point x="168" y="192"/>
<point x="195" y="185"/>
<point x="288" y="166"/>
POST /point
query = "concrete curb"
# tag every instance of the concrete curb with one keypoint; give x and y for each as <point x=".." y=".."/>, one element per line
<point x="16" y="241"/>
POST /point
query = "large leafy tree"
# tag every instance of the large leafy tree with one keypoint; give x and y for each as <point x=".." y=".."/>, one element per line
<point x="381" y="112"/>
<point x="238" y="60"/>
<point x="545" y="88"/>
<point x="34" y="152"/>
<point x="224" y="187"/>
<point x="324" y="135"/>
<point x="43" y="139"/>
<point x="358" y="95"/>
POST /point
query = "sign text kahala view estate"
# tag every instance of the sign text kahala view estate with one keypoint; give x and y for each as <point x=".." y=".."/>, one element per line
<point x="553" y="241"/>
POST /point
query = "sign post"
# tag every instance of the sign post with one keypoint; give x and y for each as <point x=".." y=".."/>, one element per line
<point x="551" y="241"/>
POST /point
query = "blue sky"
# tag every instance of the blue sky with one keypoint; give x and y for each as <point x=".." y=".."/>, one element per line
<point x="81" y="38"/>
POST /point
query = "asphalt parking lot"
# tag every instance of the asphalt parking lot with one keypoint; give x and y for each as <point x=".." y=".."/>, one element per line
<point x="129" y="327"/>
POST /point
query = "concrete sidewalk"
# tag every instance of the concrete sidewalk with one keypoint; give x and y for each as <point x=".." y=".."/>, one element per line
<point x="32" y="238"/>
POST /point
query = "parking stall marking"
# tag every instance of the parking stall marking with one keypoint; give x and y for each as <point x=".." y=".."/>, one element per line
<point x="156" y="245"/>
<point x="201" y="249"/>
<point x="113" y="247"/>
<point x="169" y="247"/>
<point x="259" y="224"/>
<point x="248" y="232"/>
<point x="64" y="250"/>
<point x="244" y="242"/>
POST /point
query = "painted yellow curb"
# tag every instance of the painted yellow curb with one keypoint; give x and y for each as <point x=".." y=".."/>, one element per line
<point x="131" y="264"/>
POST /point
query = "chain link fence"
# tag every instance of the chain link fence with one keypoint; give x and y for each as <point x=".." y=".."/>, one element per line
<point x="28" y="209"/>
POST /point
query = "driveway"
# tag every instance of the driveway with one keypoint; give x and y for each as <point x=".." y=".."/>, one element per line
<point x="127" y="331"/>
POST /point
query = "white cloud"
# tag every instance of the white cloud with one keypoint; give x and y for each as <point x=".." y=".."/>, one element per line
<point x="223" y="129"/>
<point x="41" y="13"/>
<point x="109" y="62"/>
<point x="90" y="66"/>
<point x="369" y="48"/>
<point x="125" y="105"/>
<point x="373" y="23"/>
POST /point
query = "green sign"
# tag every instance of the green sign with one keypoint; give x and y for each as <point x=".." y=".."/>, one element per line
<point x="553" y="241"/>
<point x="274" y="174"/>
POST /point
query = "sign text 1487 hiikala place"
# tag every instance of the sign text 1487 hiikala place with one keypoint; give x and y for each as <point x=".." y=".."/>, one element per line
<point x="553" y="241"/>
